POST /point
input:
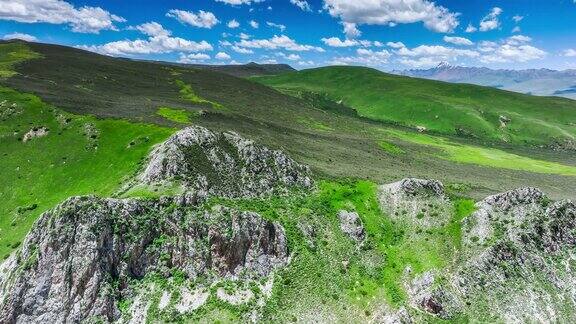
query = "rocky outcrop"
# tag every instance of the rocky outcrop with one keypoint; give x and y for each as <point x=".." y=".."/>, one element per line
<point x="517" y="261"/>
<point x="351" y="225"/>
<point x="80" y="258"/>
<point x="416" y="201"/>
<point x="222" y="164"/>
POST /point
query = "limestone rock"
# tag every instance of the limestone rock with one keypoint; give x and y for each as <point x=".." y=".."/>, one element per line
<point x="351" y="225"/>
<point x="223" y="164"/>
<point x="81" y="255"/>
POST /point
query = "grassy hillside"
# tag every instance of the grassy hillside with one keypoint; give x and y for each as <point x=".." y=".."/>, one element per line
<point x="453" y="109"/>
<point x="77" y="155"/>
<point x="94" y="118"/>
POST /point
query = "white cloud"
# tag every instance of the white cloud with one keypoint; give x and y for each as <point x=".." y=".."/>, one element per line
<point x="471" y="29"/>
<point x="254" y="24"/>
<point x="422" y="62"/>
<point x="517" y="18"/>
<point x="516" y="30"/>
<point x="21" y="36"/>
<point x="239" y="2"/>
<point x="242" y="50"/>
<point x="336" y="42"/>
<point x="277" y="42"/>
<point x="445" y="53"/>
<point x="83" y="20"/>
<point x="222" y="56"/>
<point x="244" y="36"/>
<point x="351" y="30"/>
<point x="491" y="21"/>
<point x="518" y="39"/>
<point x="290" y="57"/>
<point x="364" y="57"/>
<point x="511" y="53"/>
<point x="279" y="26"/>
<point x="302" y="4"/>
<point x="569" y="52"/>
<point x="233" y="24"/>
<point x="458" y="41"/>
<point x="152" y="29"/>
<point x="202" y="19"/>
<point x="159" y="41"/>
<point x="306" y="63"/>
<point x="395" y="44"/>
<point x="386" y="12"/>
<point x="193" y="58"/>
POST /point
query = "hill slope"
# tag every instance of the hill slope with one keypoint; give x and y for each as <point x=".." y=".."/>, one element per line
<point x="454" y="109"/>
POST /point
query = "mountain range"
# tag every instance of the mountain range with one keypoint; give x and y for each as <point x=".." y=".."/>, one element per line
<point x="540" y="82"/>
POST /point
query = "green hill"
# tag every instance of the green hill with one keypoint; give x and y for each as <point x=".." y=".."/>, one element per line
<point x="453" y="109"/>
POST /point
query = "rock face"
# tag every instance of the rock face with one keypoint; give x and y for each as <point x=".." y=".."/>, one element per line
<point x="223" y="164"/>
<point x="417" y="201"/>
<point x="351" y="225"/>
<point x="80" y="256"/>
<point x="517" y="261"/>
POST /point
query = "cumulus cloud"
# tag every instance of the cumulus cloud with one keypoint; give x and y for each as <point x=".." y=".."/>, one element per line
<point x="290" y="57"/>
<point x="302" y="4"/>
<point x="364" y="57"/>
<point x="82" y="20"/>
<point x="159" y="41"/>
<point x="511" y="49"/>
<point x="395" y="45"/>
<point x="509" y="53"/>
<point x="431" y="55"/>
<point x="458" y="41"/>
<point x="336" y="42"/>
<point x="21" y="36"/>
<point x="518" y="18"/>
<point x="279" y="26"/>
<point x="242" y="50"/>
<point x="351" y="30"/>
<point x="202" y="19"/>
<point x="569" y="52"/>
<point x="193" y="58"/>
<point x="239" y="2"/>
<point x="471" y="29"/>
<point x="277" y="42"/>
<point x="254" y="24"/>
<point x="516" y="29"/>
<point x="491" y="21"/>
<point x="391" y="12"/>
<point x="233" y="24"/>
<point x="222" y="56"/>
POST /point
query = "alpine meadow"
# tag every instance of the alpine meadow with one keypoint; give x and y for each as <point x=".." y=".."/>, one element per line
<point x="273" y="161"/>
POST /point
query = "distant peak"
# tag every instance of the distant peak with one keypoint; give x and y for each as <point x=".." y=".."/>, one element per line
<point x="444" y="65"/>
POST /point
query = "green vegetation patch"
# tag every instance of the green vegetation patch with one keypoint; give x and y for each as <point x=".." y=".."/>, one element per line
<point x="484" y="156"/>
<point x="331" y="273"/>
<point x="13" y="53"/>
<point x="391" y="148"/>
<point x="188" y="94"/>
<point x="79" y="155"/>
<point x="177" y="115"/>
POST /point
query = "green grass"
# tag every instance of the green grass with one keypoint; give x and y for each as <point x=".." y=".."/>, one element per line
<point x="483" y="156"/>
<point x="391" y="148"/>
<point x="316" y="276"/>
<point x="454" y="109"/>
<point x="73" y="159"/>
<point x="12" y="54"/>
<point x="181" y="116"/>
<point x="188" y="94"/>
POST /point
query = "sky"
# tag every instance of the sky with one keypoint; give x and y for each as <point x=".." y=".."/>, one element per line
<point x="384" y="34"/>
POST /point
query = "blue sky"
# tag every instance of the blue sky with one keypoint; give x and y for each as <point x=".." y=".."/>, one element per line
<point x="385" y="34"/>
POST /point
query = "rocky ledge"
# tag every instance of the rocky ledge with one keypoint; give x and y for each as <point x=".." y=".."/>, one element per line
<point x="222" y="164"/>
